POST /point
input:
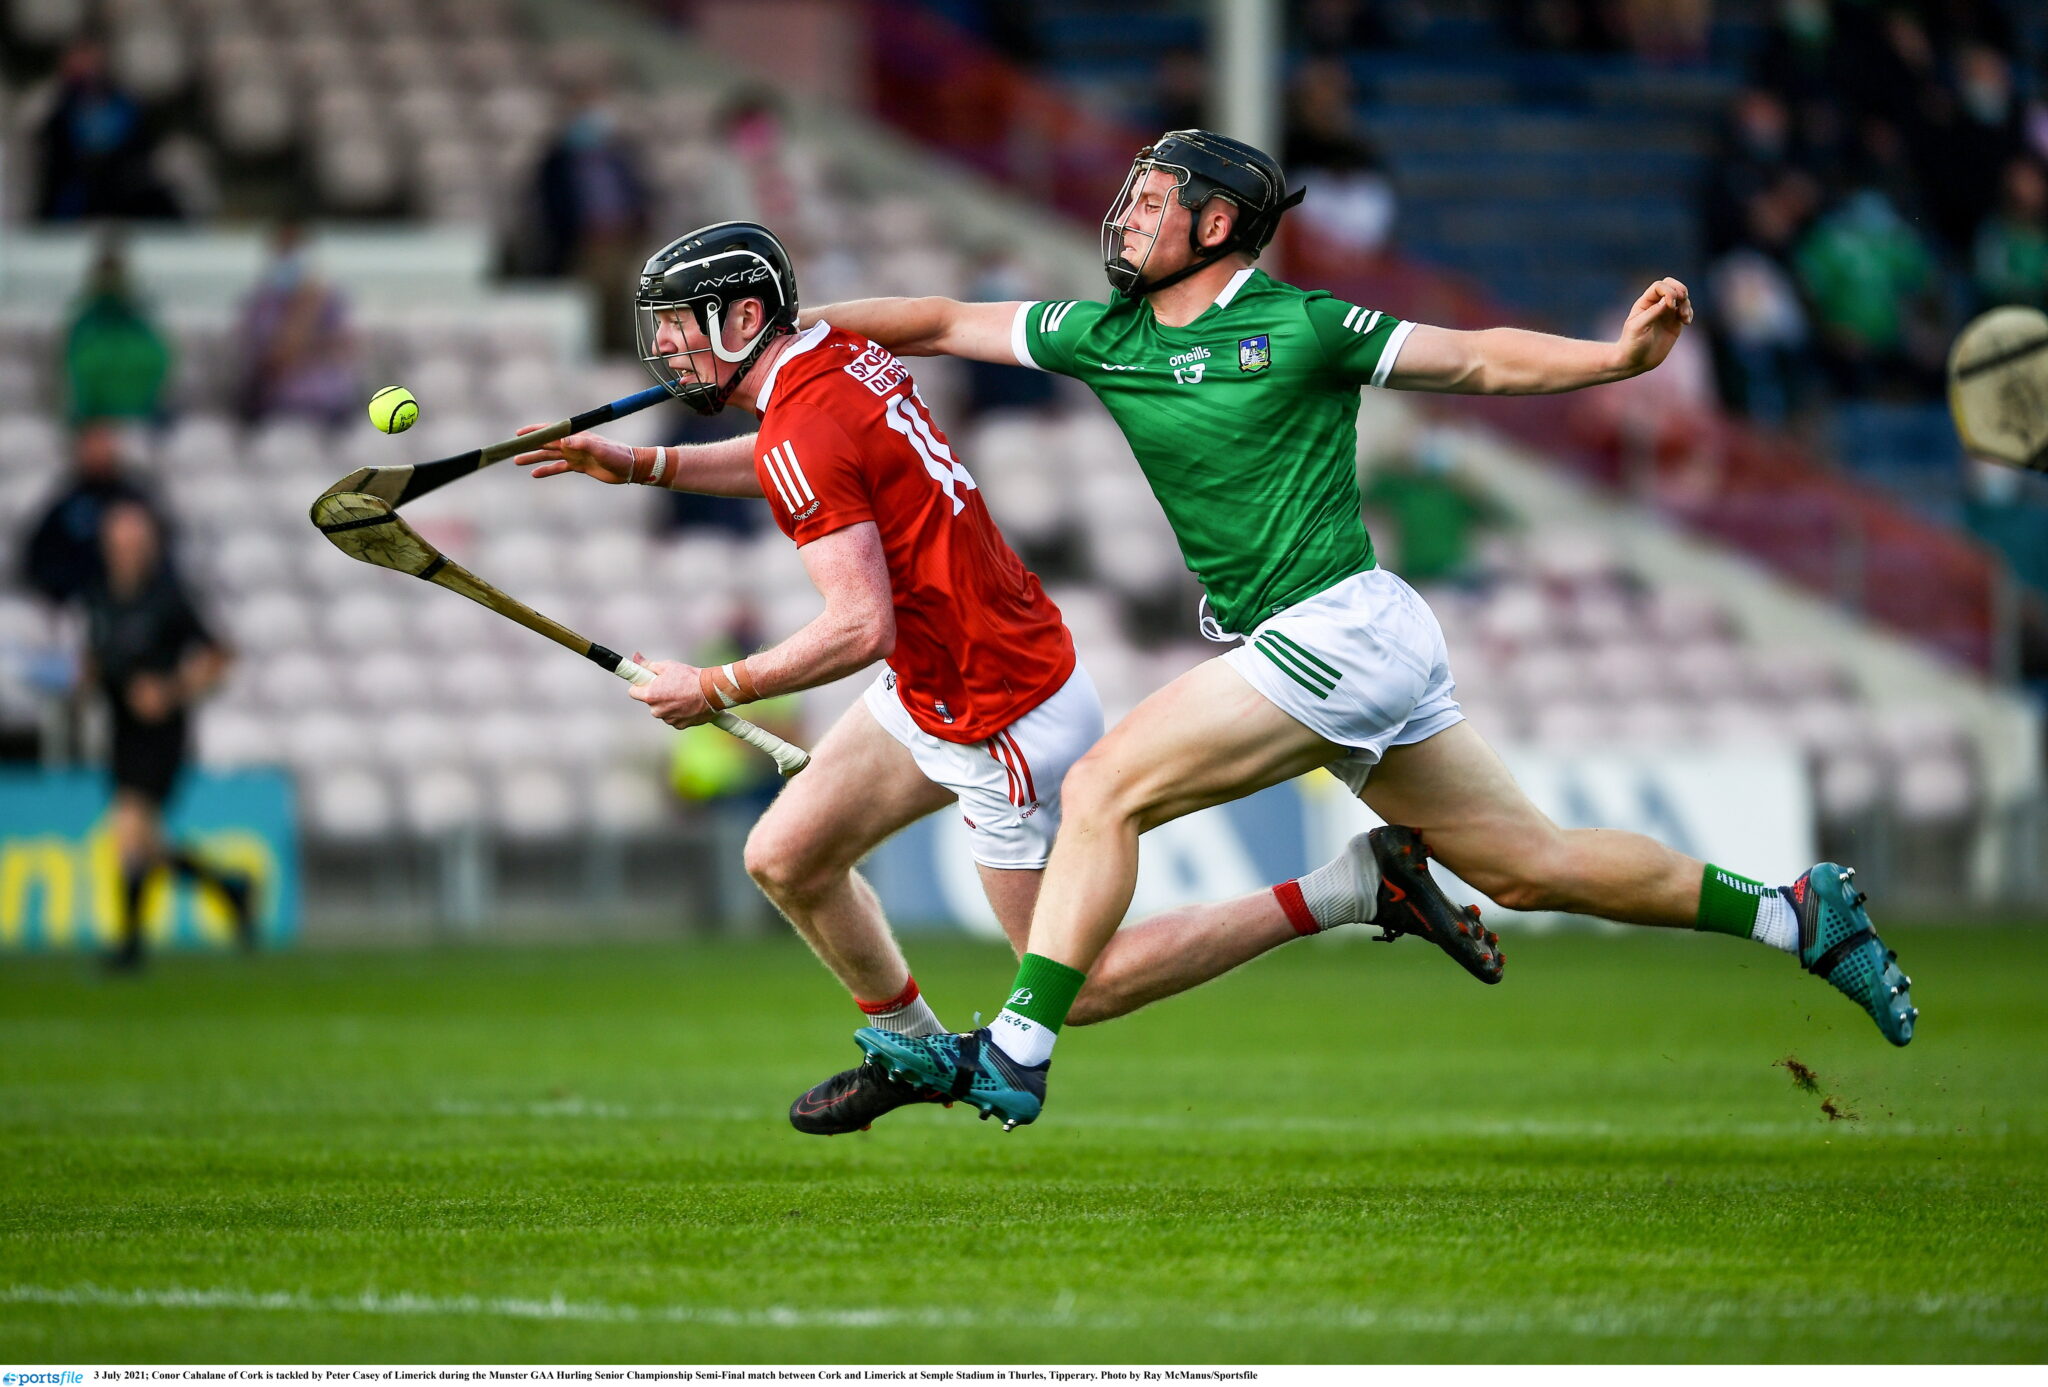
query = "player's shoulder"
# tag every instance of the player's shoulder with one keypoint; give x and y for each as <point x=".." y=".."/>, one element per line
<point x="1270" y="293"/>
<point x="1056" y="317"/>
<point x="842" y="368"/>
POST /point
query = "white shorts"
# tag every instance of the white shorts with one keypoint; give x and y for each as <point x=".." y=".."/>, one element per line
<point x="1009" y="785"/>
<point x="1362" y="664"/>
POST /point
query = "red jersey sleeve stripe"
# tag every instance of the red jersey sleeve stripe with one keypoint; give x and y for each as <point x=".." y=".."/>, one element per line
<point x="799" y="481"/>
<point x="768" y="460"/>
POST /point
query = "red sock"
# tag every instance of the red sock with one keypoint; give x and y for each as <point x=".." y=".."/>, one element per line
<point x="894" y="1004"/>
<point x="1288" y="893"/>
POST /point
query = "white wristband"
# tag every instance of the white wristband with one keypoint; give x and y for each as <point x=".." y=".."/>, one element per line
<point x="659" y="476"/>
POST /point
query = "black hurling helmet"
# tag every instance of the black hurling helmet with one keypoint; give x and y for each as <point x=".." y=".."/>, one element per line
<point x="1202" y="165"/>
<point x="706" y="272"/>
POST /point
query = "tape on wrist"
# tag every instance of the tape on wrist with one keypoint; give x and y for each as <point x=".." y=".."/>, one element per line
<point x="727" y="686"/>
<point x="661" y="461"/>
<point x="707" y="685"/>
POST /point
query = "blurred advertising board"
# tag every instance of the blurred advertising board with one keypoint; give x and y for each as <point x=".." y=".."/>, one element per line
<point x="60" y="881"/>
<point x="1752" y="812"/>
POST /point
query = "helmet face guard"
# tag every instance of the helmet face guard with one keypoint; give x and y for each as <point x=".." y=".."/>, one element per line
<point x="698" y="275"/>
<point x="1127" y="275"/>
<point x="1202" y="165"/>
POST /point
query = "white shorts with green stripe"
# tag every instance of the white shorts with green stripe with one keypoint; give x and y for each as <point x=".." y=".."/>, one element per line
<point x="1362" y="664"/>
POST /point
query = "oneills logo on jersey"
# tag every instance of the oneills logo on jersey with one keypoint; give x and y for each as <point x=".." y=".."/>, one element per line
<point x="790" y="482"/>
<point x="1362" y="320"/>
<point x="1254" y="353"/>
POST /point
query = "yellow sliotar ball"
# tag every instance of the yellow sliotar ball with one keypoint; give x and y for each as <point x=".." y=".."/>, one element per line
<point x="393" y="409"/>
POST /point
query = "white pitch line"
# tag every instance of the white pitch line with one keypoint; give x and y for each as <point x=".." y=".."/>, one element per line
<point x="501" y="1307"/>
<point x="1676" y="1319"/>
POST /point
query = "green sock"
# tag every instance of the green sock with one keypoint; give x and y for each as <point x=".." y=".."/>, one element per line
<point x="1729" y="902"/>
<point x="1044" y="991"/>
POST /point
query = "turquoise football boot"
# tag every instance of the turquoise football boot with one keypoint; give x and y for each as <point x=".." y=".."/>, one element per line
<point x="969" y="1068"/>
<point x="1838" y="942"/>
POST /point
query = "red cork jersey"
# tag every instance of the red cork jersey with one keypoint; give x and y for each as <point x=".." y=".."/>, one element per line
<point x="844" y="438"/>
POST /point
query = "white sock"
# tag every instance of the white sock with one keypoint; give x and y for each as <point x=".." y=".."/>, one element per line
<point x="1777" y="923"/>
<point x="913" y="1018"/>
<point x="1343" y="891"/>
<point x="1021" y="1038"/>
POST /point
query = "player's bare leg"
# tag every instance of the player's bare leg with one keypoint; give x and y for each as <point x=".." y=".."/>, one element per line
<point x="1206" y="738"/>
<point x="1482" y="826"/>
<point x="1478" y="822"/>
<point x="1158" y="957"/>
<point x="861" y="786"/>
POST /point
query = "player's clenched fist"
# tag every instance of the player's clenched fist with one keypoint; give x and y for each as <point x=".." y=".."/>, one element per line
<point x="606" y="459"/>
<point x="1659" y="315"/>
<point x="676" y="696"/>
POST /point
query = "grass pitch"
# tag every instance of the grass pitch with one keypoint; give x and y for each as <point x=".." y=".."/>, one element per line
<point x="1342" y="1153"/>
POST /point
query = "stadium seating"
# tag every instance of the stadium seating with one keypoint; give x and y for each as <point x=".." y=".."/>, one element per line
<point x="472" y="721"/>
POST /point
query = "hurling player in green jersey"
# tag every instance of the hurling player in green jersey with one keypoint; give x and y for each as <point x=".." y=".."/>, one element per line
<point x="1238" y="395"/>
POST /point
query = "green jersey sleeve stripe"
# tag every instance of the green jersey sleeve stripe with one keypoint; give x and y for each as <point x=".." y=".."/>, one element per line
<point x="1309" y="657"/>
<point x="1020" y="337"/>
<point x="1390" y="351"/>
<point x="1293" y="668"/>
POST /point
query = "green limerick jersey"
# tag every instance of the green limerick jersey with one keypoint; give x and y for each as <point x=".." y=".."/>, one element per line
<point x="1245" y="422"/>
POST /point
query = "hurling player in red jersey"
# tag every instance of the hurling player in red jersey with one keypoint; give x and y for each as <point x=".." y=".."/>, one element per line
<point x="981" y="700"/>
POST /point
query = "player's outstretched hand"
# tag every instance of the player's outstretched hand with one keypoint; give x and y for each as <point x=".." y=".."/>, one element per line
<point x="606" y="459"/>
<point x="1654" y="324"/>
<point x="675" y="696"/>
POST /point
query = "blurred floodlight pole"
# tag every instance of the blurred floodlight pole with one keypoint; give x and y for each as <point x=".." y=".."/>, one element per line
<point x="1244" y="68"/>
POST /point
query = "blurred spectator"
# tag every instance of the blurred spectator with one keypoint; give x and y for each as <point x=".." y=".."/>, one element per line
<point x="1965" y="135"/>
<point x="1007" y="27"/>
<point x="1351" y="199"/>
<point x="2011" y="262"/>
<point x="593" y="211"/>
<point x="999" y="278"/>
<point x="1182" y="92"/>
<point x="300" y="353"/>
<point x="1872" y="283"/>
<point x="764" y="176"/>
<point x="116" y="362"/>
<point x="1666" y="31"/>
<point x="1566" y="26"/>
<point x="1801" y="54"/>
<point x="94" y="148"/>
<point x="1755" y="155"/>
<point x="1761" y="332"/>
<point x="62" y="558"/>
<point x="1427" y="513"/>
<point x="1331" y="27"/>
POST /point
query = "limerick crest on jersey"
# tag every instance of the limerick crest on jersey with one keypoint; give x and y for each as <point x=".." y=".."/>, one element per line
<point x="1254" y="353"/>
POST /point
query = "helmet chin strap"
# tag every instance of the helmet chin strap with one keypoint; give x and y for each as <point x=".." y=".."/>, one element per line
<point x="748" y="353"/>
<point x="746" y="349"/>
<point x="1140" y="287"/>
